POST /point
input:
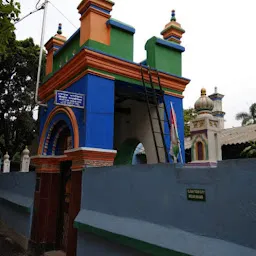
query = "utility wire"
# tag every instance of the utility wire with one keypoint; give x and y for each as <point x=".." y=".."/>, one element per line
<point x="63" y="15"/>
<point x="19" y="20"/>
<point x="37" y="9"/>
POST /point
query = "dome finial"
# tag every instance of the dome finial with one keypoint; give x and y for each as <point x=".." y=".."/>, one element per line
<point x="203" y="92"/>
<point x="59" y="29"/>
<point x="173" y="16"/>
<point x="6" y="156"/>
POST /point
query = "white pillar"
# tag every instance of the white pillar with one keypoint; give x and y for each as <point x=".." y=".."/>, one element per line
<point x="25" y="160"/>
<point x="6" y="167"/>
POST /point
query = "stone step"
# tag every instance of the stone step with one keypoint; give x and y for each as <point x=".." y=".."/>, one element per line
<point x="54" y="253"/>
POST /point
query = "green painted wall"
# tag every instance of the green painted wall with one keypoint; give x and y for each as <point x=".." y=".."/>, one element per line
<point x="125" y="152"/>
<point x="163" y="58"/>
<point x="66" y="52"/>
<point x="121" y="45"/>
<point x="149" y="249"/>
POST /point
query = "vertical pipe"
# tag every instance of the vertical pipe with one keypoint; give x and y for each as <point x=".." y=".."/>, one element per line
<point x="41" y="52"/>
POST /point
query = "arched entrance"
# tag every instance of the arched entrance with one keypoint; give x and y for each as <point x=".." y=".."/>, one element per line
<point x="59" y="139"/>
<point x="131" y="152"/>
<point x="59" y="121"/>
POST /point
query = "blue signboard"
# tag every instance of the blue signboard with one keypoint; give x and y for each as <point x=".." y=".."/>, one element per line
<point x="69" y="99"/>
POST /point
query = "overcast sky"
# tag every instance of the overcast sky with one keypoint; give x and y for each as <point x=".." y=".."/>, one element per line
<point x="220" y="41"/>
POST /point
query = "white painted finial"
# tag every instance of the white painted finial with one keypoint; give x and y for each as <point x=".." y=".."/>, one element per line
<point x="215" y="89"/>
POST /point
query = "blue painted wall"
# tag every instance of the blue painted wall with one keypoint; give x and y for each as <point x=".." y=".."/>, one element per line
<point x="78" y="87"/>
<point x="16" y="200"/>
<point x="96" y="124"/>
<point x="100" y="112"/>
<point x="178" y="107"/>
<point x="228" y="214"/>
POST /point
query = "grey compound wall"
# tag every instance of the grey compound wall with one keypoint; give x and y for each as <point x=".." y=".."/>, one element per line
<point x="16" y="201"/>
<point x="157" y="194"/>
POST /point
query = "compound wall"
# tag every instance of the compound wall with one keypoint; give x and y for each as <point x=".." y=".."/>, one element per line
<point x="16" y="205"/>
<point x="158" y="194"/>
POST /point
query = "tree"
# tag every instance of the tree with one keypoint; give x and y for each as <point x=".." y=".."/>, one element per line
<point x="9" y="13"/>
<point x="248" y="118"/>
<point x="250" y="151"/>
<point x="189" y="114"/>
<point x="18" y="72"/>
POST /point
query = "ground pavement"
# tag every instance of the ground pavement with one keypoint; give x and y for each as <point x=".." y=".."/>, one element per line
<point x="9" y="248"/>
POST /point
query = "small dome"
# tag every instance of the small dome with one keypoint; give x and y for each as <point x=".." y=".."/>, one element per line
<point x="26" y="151"/>
<point x="6" y="156"/>
<point x="204" y="104"/>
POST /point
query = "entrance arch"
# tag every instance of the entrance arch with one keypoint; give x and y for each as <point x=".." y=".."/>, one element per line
<point x="60" y="120"/>
<point x="130" y="152"/>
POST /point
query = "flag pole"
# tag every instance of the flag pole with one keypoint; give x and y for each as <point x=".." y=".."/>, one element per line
<point x="177" y="135"/>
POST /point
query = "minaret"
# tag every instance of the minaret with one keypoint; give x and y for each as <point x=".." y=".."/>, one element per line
<point x="217" y="108"/>
<point x="173" y="31"/>
<point x="205" y="132"/>
<point x="54" y="44"/>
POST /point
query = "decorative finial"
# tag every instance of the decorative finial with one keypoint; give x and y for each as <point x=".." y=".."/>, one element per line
<point x="26" y="151"/>
<point x="203" y="92"/>
<point x="59" y="29"/>
<point x="173" y="16"/>
<point x="215" y="89"/>
<point x="6" y="156"/>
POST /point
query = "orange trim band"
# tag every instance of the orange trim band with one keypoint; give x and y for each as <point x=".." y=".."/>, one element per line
<point x="99" y="61"/>
<point x="174" y="94"/>
<point x="68" y="111"/>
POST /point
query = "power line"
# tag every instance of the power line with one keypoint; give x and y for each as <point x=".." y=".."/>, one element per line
<point x="63" y="15"/>
<point x="37" y="9"/>
<point x="19" y="20"/>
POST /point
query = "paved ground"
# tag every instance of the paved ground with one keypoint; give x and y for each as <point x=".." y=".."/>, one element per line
<point x="55" y="253"/>
<point x="9" y="248"/>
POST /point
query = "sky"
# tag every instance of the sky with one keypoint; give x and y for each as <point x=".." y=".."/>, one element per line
<point x="220" y="41"/>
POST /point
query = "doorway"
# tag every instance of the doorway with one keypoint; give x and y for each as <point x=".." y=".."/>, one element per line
<point x="64" y="203"/>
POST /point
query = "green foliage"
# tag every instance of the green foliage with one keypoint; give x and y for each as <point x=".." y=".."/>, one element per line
<point x="248" y="118"/>
<point x="18" y="72"/>
<point x="250" y="151"/>
<point x="9" y="13"/>
<point x="189" y="114"/>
